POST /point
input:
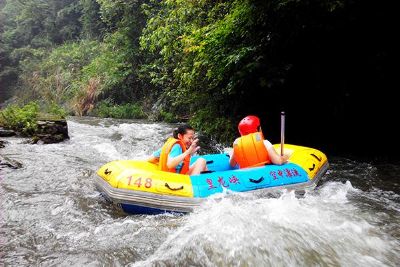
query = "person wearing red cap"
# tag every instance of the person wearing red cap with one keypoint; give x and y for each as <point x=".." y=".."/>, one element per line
<point x="251" y="149"/>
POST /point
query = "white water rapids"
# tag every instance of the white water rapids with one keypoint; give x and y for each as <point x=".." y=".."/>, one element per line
<point x="52" y="215"/>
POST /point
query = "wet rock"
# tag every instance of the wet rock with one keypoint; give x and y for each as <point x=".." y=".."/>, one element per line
<point x="2" y="143"/>
<point x="6" y="162"/>
<point x="50" y="131"/>
<point x="6" y="133"/>
<point x="48" y="138"/>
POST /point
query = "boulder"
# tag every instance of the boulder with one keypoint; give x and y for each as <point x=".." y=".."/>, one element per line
<point x="6" y="162"/>
<point x="50" y="131"/>
<point x="6" y="133"/>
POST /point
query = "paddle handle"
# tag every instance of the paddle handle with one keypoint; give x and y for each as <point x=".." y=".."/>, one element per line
<point x="282" y="131"/>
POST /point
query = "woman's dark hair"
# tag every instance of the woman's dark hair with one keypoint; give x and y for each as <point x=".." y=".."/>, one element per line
<point x="182" y="129"/>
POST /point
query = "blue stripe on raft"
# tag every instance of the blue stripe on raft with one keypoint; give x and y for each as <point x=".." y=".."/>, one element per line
<point x="215" y="162"/>
<point x="136" y="209"/>
<point x="248" y="179"/>
<point x="240" y="180"/>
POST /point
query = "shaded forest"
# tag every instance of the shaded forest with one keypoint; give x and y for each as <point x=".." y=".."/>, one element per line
<point x="328" y="64"/>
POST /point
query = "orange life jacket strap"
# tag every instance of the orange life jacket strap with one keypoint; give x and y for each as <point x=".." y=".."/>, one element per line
<point x="166" y="149"/>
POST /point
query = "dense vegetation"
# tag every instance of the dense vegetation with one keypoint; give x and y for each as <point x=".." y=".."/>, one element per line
<point x="211" y="62"/>
<point x="24" y="119"/>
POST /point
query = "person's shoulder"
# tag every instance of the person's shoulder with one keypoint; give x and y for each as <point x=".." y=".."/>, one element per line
<point x="176" y="148"/>
<point x="176" y="145"/>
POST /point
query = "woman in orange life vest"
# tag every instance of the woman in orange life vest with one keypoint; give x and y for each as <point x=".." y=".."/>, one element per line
<point x="174" y="155"/>
<point x="251" y="149"/>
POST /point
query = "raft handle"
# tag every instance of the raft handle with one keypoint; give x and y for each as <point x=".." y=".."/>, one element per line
<point x="203" y="172"/>
<point x="257" y="181"/>
<point x="173" y="189"/>
<point x="315" y="156"/>
<point x="210" y="161"/>
<point x="312" y="168"/>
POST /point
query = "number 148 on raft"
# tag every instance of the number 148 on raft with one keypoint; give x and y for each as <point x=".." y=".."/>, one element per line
<point x="146" y="182"/>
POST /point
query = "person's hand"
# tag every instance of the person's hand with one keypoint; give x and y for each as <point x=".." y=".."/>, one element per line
<point x="194" y="147"/>
<point x="285" y="158"/>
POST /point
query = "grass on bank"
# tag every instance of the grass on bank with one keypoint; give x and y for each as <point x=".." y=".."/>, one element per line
<point x="23" y="119"/>
<point x="106" y="109"/>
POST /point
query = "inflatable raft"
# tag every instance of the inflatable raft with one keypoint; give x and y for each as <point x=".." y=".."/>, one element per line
<point x="140" y="187"/>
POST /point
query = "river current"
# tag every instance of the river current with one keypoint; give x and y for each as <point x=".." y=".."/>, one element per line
<point x="51" y="214"/>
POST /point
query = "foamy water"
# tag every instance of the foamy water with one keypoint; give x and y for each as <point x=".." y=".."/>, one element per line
<point x="52" y="215"/>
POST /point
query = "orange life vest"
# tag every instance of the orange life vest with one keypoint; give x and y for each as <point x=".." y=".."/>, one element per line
<point x="166" y="148"/>
<point x="250" y="151"/>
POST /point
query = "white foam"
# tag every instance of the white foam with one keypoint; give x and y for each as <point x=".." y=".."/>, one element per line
<point x="281" y="231"/>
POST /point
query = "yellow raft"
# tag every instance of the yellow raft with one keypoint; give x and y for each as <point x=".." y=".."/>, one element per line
<point x="138" y="186"/>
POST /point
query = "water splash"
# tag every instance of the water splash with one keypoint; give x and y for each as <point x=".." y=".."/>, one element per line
<point x="54" y="216"/>
<point x="322" y="228"/>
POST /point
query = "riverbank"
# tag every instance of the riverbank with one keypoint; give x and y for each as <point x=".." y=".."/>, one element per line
<point x="46" y="132"/>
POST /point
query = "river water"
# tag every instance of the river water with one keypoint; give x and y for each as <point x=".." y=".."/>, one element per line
<point x="52" y="215"/>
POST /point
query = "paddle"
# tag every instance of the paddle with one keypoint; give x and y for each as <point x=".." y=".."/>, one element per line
<point x="282" y="131"/>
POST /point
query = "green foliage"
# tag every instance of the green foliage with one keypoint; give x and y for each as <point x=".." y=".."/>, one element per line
<point x="56" y="76"/>
<point x="20" y="119"/>
<point x="56" y="110"/>
<point x="107" y="109"/>
<point x="167" y="116"/>
<point x="204" y="49"/>
<point x="75" y="74"/>
<point x="209" y="61"/>
<point x="23" y="119"/>
<point x="39" y="23"/>
<point x="207" y="122"/>
<point x="29" y="30"/>
<point x="92" y="26"/>
<point x="110" y="64"/>
<point x="124" y="21"/>
<point x="214" y="59"/>
<point x="223" y="50"/>
<point x="111" y="11"/>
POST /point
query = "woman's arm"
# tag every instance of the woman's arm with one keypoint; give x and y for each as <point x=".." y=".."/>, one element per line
<point x="153" y="159"/>
<point x="172" y="162"/>
<point x="232" y="160"/>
